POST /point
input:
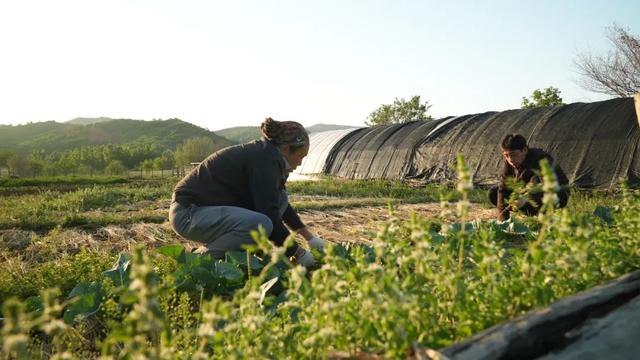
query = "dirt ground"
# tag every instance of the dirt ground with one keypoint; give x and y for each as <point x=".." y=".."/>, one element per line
<point x="360" y="224"/>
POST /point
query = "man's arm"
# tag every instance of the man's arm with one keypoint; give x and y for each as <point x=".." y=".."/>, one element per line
<point x="563" y="181"/>
<point x="501" y="207"/>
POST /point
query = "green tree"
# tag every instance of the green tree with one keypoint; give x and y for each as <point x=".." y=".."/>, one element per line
<point x="194" y="150"/>
<point x="17" y="165"/>
<point x="168" y="159"/>
<point x="35" y="167"/>
<point x="66" y="164"/>
<point x="4" y="157"/>
<point x="147" y="166"/>
<point x="541" y="98"/>
<point x="401" y="111"/>
<point x="115" y="167"/>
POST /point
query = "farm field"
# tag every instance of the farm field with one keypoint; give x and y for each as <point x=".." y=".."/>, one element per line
<point x="402" y="275"/>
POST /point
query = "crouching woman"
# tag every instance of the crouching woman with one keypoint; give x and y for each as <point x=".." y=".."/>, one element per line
<point x="239" y="188"/>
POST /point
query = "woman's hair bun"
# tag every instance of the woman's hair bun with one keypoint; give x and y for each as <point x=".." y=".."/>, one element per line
<point x="284" y="132"/>
<point x="269" y="128"/>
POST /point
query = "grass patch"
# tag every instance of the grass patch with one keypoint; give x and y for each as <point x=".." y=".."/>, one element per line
<point x="585" y="201"/>
<point x="116" y="205"/>
<point x="64" y="180"/>
<point x="90" y="206"/>
<point x="380" y="189"/>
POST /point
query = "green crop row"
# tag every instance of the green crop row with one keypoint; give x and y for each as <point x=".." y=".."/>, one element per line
<point x="418" y="283"/>
<point x="91" y="206"/>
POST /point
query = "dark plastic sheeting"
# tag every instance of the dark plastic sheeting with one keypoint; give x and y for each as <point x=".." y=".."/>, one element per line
<point x="379" y="152"/>
<point x="595" y="143"/>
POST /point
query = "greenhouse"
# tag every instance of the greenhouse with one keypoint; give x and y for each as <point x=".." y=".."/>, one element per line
<point x="595" y="143"/>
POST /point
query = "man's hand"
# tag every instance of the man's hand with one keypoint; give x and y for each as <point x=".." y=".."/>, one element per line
<point x="304" y="257"/>
<point x="503" y="216"/>
<point x="316" y="243"/>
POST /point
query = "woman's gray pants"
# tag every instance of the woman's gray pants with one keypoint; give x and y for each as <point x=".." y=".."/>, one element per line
<point x="221" y="228"/>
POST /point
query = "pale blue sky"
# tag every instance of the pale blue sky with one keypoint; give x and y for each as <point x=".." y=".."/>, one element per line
<point x="219" y="64"/>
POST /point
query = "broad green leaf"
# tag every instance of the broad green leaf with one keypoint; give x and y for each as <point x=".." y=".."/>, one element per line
<point x="198" y="260"/>
<point x="205" y="278"/>
<point x="174" y="251"/>
<point x="84" y="288"/>
<point x="87" y="301"/>
<point x="274" y="272"/>
<point x="518" y="228"/>
<point x="33" y="304"/>
<point x="512" y="227"/>
<point x="186" y="284"/>
<point x="605" y="214"/>
<point x="435" y="238"/>
<point x="230" y="272"/>
<point x="240" y="258"/>
<point x="341" y="250"/>
<point x="119" y="273"/>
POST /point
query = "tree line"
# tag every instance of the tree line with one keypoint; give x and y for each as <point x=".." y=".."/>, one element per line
<point x="109" y="159"/>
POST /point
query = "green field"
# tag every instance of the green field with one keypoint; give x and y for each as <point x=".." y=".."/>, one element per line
<point x="124" y="286"/>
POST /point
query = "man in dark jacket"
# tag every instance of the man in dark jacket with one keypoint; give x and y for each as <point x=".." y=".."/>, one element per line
<point x="522" y="165"/>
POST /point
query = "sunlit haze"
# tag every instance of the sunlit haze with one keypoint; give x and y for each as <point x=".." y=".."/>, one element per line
<point x="219" y="64"/>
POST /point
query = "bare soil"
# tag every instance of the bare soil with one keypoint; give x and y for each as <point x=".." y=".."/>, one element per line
<point x="361" y="224"/>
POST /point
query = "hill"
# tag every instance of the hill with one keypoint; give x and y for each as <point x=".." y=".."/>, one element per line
<point x="240" y="134"/>
<point x="54" y="136"/>
<point x="243" y="134"/>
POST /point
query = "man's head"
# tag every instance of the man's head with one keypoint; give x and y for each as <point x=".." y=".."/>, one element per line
<point x="514" y="149"/>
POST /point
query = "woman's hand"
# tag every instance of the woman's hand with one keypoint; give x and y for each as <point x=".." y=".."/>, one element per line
<point x="316" y="243"/>
<point x="313" y="241"/>
<point x="304" y="257"/>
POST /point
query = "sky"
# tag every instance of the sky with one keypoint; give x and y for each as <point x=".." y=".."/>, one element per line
<point x="219" y="64"/>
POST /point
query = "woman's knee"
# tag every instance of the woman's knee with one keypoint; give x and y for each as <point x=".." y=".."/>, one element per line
<point x="262" y="220"/>
<point x="179" y="218"/>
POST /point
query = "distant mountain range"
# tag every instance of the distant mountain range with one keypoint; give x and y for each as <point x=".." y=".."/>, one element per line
<point x="242" y="134"/>
<point x="51" y="135"/>
<point x="79" y="132"/>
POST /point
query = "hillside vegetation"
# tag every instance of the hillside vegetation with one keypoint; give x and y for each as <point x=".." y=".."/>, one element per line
<point x="240" y="134"/>
<point x="54" y="136"/>
<point x="90" y="146"/>
<point x="105" y="147"/>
